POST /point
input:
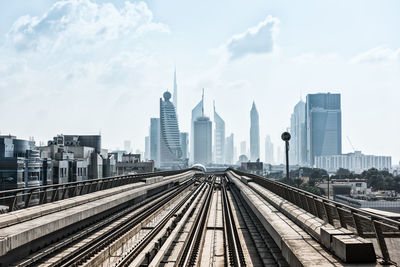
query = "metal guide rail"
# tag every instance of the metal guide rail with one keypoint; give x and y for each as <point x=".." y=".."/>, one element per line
<point x="191" y="247"/>
<point x="138" y="248"/>
<point x="31" y="196"/>
<point x="362" y="223"/>
<point x="236" y="257"/>
<point x="105" y="235"/>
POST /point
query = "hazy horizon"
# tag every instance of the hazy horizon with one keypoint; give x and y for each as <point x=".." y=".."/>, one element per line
<point x="81" y="67"/>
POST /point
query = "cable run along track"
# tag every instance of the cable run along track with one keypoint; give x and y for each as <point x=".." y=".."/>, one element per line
<point x="200" y="222"/>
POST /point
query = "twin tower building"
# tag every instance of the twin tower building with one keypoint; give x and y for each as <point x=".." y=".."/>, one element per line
<point x="169" y="147"/>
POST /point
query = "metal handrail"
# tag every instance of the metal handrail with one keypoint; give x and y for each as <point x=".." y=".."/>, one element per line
<point x="299" y="197"/>
<point x="50" y="193"/>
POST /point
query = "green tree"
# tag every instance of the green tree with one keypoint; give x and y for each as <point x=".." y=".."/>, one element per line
<point x="343" y="172"/>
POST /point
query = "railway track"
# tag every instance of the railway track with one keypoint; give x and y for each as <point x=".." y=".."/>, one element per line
<point x="84" y="242"/>
<point x="204" y="221"/>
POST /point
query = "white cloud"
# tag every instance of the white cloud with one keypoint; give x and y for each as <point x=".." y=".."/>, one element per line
<point x="78" y="66"/>
<point x="380" y="54"/>
<point x="81" y="24"/>
<point x="256" y="40"/>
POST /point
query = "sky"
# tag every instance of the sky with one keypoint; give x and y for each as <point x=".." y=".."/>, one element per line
<point x="86" y="66"/>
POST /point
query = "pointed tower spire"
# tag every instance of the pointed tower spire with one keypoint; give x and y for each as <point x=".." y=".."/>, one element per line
<point x="214" y="105"/>
<point x="202" y="104"/>
<point x="175" y="100"/>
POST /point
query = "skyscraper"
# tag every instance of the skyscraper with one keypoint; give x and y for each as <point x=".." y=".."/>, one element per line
<point x="127" y="146"/>
<point x="170" y="147"/>
<point x="269" y="150"/>
<point x="280" y="158"/>
<point x="197" y="112"/>
<point x="219" y="138"/>
<point x="184" y="144"/>
<point x="324" y="126"/>
<point x="147" y="148"/>
<point x="155" y="141"/>
<point x="175" y="93"/>
<point x="229" y="150"/>
<point x="254" y="134"/>
<point x="298" y="142"/>
<point x="243" y="148"/>
<point x="202" y="141"/>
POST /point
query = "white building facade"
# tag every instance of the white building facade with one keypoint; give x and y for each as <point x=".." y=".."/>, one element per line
<point x="355" y="162"/>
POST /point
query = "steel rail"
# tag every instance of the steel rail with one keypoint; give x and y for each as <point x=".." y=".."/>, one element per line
<point x="102" y="241"/>
<point x="188" y="255"/>
<point x="236" y="257"/>
<point x="127" y="260"/>
<point x="253" y="222"/>
<point x="96" y="226"/>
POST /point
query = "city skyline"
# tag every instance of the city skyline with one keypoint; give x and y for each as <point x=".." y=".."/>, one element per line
<point x="45" y="67"/>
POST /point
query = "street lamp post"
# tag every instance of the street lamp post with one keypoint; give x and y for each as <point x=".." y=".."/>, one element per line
<point x="286" y="137"/>
<point x="328" y="188"/>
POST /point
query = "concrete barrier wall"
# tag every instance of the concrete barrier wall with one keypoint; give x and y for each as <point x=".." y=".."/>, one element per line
<point x="298" y="233"/>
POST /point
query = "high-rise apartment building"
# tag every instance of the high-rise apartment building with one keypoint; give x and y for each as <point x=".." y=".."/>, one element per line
<point x="197" y="112"/>
<point x="155" y="141"/>
<point x="324" y="126"/>
<point x="184" y="144"/>
<point x="219" y="138"/>
<point x="298" y="142"/>
<point x="170" y="147"/>
<point x="254" y="134"/>
<point x="202" y="141"/>
<point x="269" y="150"/>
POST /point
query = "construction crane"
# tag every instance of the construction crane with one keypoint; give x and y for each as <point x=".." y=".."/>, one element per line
<point x="348" y="139"/>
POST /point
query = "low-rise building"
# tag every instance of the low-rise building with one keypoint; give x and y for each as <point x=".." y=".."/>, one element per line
<point x="21" y="165"/>
<point x="391" y="204"/>
<point x="255" y="167"/>
<point x="78" y="158"/>
<point x="131" y="163"/>
<point x="355" y="162"/>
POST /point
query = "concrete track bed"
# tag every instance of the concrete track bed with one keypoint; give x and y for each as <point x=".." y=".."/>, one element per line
<point x="20" y="240"/>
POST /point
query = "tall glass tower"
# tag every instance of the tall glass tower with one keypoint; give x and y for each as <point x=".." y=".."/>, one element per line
<point x="269" y="150"/>
<point x="324" y="126"/>
<point x="219" y="138"/>
<point x="229" y="150"/>
<point x="175" y="100"/>
<point x="202" y="141"/>
<point x="170" y="147"/>
<point x="184" y="144"/>
<point x="298" y="142"/>
<point x="155" y="140"/>
<point x="254" y="134"/>
<point x="197" y="112"/>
